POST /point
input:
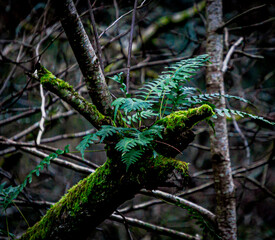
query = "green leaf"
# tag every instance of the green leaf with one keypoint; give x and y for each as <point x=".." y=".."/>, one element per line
<point x="53" y="155"/>
<point x="131" y="157"/>
<point x="117" y="103"/>
<point x="66" y="149"/>
<point x="84" y="144"/>
<point x="59" y="151"/>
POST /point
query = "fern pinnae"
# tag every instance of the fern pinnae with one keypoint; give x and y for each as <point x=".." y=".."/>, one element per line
<point x="10" y="193"/>
<point x="131" y="157"/>
<point x="227" y="112"/>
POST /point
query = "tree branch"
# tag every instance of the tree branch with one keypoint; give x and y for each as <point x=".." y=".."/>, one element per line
<point x="85" y="55"/>
<point x="154" y="228"/>
<point x="178" y="201"/>
<point x="66" y="92"/>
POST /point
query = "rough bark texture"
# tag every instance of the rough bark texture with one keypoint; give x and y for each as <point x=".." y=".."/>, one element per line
<point x="85" y="55"/>
<point x="224" y="185"/>
<point x="95" y="198"/>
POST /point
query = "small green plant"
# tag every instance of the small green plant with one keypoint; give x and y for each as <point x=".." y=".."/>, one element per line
<point x="8" y="194"/>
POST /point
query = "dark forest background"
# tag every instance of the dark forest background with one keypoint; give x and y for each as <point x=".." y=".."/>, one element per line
<point x="24" y="24"/>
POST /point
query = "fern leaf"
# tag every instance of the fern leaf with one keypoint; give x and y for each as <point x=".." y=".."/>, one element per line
<point x="7" y="195"/>
<point x="85" y="143"/>
<point x="117" y="103"/>
<point x="142" y="115"/>
<point x="131" y="157"/>
<point x="227" y="112"/>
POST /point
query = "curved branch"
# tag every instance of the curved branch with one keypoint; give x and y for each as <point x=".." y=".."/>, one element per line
<point x="178" y="201"/>
<point x="153" y="227"/>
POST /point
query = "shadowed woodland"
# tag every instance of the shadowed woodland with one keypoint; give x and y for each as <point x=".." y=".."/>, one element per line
<point x="137" y="119"/>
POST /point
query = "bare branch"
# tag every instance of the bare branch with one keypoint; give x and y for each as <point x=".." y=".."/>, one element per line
<point x="155" y="228"/>
<point x="229" y="54"/>
<point x="178" y="201"/>
<point x="130" y="47"/>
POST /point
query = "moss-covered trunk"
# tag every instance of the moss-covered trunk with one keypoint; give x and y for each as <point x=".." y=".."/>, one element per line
<point x="96" y="197"/>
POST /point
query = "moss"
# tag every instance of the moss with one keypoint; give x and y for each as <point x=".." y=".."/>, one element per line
<point x="186" y="119"/>
<point x="47" y="77"/>
<point x="79" y="194"/>
<point x="164" y="20"/>
<point x="169" y="164"/>
<point x="70" y="204"/>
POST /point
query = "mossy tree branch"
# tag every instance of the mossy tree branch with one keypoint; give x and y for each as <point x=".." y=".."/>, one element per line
<point x="96" y="197"/>
<point x="66" y="92"/>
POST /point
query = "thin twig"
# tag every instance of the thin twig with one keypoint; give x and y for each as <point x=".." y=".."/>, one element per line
<point x="253" y="25"/>
<point x="118" y="19"/>
<point x="258" y="184"/>
<point x="229" y="54"/>
<point x="151" y="227"/>
<point x="130" y="47"/>
<point x="241" y="15"/>
<point x="180" y="201"/>
<point x="98" y="47"/>
<point x="43" y="116"/>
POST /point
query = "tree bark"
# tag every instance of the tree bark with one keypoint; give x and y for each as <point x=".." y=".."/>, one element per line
<point x="224" y="185"/>
<point x="85" y="55"/>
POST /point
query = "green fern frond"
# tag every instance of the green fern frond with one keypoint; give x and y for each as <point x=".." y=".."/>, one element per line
<point x="131" y="157"/>
<point x="85" y="143"/>
<point x="108" y="131"/>
<point x="117" y="103"/>
<point x="206" y="97"/>
<point x="228" y="112"/>
<point x="180" y="72"/>
<point x="126" y="144"/>
<point x="142" y="115"/>
<point x="130" y="104"/>
<point x="7" y="195"/>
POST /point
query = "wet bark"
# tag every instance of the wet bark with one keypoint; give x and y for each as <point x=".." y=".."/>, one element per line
<point x="224" y="185"/>
<point x="85" y="55"/>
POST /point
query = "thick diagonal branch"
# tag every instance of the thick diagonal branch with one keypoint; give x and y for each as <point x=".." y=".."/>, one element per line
<point x="85" y="55"/>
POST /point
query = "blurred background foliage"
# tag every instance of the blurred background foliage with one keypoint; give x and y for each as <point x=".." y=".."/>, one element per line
<point x="251" y="75"/>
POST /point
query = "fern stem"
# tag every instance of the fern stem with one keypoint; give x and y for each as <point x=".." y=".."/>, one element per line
<point x="7" y="224"/>
<point x="21" y="213"/>
<point x="169" y="146"/>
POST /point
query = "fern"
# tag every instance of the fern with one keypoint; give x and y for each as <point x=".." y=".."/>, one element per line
<point x="118" y="78"/>
<point x="7" y="195"/>
<point x="141" y="115"/>
<point x="85" y="143"/>
<point x="205" y="97"/>
<point x="228" y="112"/>
<point x="132" y="140"/>
<point x="131" y="157"/>
<point x="130" y="104"/>
<point x="168" y="89"/>
<point x="157" y="99"/>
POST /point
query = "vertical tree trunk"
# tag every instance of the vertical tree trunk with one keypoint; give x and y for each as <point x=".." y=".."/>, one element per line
<point x="224" y="185"/>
